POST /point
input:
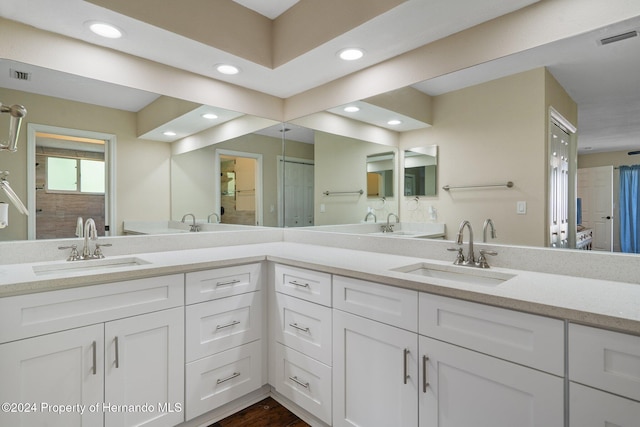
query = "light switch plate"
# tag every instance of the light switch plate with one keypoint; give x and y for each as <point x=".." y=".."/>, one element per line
<point x="521" y="208"/>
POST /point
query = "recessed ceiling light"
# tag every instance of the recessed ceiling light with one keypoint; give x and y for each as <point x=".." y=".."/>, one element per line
<point x="351" y="54"/>
<point x="227" y="69"/>
<point x="351" y="109"/>
<point x="209" y="116"/>
<point x="169" y="133"/>
<point x="105" y="30"/>
<point x="394" y="122"/>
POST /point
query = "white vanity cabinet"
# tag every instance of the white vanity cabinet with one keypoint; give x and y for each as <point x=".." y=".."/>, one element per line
<point x="224" y="328"/>
<point x="490" y="372"/>
<point x="301" y="324"/>
<point x="604" y="374"/>
<point x="120" y="360"/>
<point x="375" y="364"/>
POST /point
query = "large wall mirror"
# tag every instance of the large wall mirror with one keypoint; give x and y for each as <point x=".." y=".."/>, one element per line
<point x="155" y="154"/>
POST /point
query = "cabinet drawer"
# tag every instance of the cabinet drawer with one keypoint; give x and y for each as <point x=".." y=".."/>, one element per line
<point x="36" y="314"/>
<point x="387" y="304"/>
<point x="523" y="338"/>
<point x="218" y="325"/>
<point x="304" y="381"/>
<point x="309" y="285"/>
<point x="304" y="326"/>
<point x="222" y="282"/>
<point x="594" y="408"/>
<point x="215" y="380"/>
<point x="604" y="359"/>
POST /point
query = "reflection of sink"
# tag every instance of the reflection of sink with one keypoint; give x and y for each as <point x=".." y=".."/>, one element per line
<point x="69" y="267"/>
<point x="469" y="275"/>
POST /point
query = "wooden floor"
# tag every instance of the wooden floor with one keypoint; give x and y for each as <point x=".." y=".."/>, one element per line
<point x="266" y="413"/>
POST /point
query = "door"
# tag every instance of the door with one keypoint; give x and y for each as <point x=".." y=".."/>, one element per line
<point x="144" y="358"/>
<point x="374" y="373"/>
<point x="595" y="188"/>
<point x="462" y="388"/>
<point x="558" y="186"/>
<point x="299" y="203"/>
<point x="64" y="368"/>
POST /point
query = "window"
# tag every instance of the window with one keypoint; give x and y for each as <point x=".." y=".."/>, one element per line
<point x="75" y="175"/>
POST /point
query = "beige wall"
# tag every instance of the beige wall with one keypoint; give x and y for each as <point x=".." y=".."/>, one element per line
<point x="341" y="165"/>
<point x="489" y="133"/>
<point x="142" y="167"/>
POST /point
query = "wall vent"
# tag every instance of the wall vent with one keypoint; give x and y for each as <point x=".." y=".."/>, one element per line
<point x="618" y="37"/>
<point x="19" y="75"/>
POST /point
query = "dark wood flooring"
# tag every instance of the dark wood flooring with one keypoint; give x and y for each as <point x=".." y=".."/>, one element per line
<point x="266" y="413"/>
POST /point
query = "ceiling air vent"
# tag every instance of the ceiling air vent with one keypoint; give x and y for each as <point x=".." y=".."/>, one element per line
<point x="618" y="37"/>
<point x="19" y="75"/>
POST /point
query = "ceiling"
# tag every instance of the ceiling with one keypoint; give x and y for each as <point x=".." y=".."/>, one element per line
<point x="609" y="110"/>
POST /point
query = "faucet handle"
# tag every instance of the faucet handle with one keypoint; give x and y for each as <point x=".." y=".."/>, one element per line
<point x="74" y="255"/>
<point x="482" y="261"/>
<point x="459" y="257"/>
<point x="97" y="252"/>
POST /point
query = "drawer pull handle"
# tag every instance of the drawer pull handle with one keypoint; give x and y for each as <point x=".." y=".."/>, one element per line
<point x="296" y="283"/>
<point x="228" y="282"/>
<point x="235" y="322"/>
<point x="117" y="353"/>
<point x="300" y="383"/>
<point x="230" y="377"/>
<point x="300" y="328"/>
<point x="95" y="366"/>
<point x="406" y="363"/>
<point x="425" y="373"/>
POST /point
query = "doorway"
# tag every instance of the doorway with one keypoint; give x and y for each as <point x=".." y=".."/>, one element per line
<point x="69" y="176"/>
<point x="239" y="199"/>
<point x="595" y="189"/>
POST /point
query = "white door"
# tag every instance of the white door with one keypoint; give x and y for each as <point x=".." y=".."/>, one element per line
<point x="64" y="368"/>
<point x="595" y="187"/>
<point x="462" y="388"/>
<point x="298" y="184"/>
<point x="375" y="375"/>
<point x="144" y="358"/>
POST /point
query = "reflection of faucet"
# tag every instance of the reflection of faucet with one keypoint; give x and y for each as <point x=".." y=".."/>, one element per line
<point x="366" y="217"/>
<point x="214" y="214"/>
<point x="470" y="260"/>
<point x="194" y="226"/>
<point x="488" y="223"/>
<point x="388" y="228"/>
<point x="90" y="232"/>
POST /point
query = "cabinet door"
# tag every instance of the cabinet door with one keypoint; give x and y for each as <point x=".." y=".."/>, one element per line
<point x="145" y="366"/>
<point x="594" y="408"/>
<point x="462" y="388"/>
<point x="375" y="373"/>
<point x="65" y="368"/>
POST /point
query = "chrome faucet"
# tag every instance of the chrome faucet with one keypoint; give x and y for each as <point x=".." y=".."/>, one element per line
<point x="366" y="217"/>
<point x="488" y="223"/>
<point x="388" y="228"/>
<point x="217" y="217"/>
<point x="471" y="259"/>
<point x="194" y="226"/>
<point x="90" y="232"/>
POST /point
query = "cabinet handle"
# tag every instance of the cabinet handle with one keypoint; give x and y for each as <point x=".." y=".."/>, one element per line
<point x="406" y="365"/>
<point x="425" y="374"/>
<point x="296" y="283"/>
<point x="117" y="353"/>
<point x="95" y="367"/>
<point x="300" y="383"/>
<point x="228" y="282"/>
<point x="230" y="377"/>
<point x="300" y="328"/>
<point x="235" y="322"/>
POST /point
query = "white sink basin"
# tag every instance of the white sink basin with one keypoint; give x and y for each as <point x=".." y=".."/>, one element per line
<point x="88" y="266"/>
<point x="460" y="274"/>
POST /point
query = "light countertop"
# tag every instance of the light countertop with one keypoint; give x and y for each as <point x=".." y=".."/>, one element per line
<point x="608" y="304"/>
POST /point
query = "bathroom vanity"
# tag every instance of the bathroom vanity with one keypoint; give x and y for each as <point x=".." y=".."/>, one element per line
<point x="343" y="330"/>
